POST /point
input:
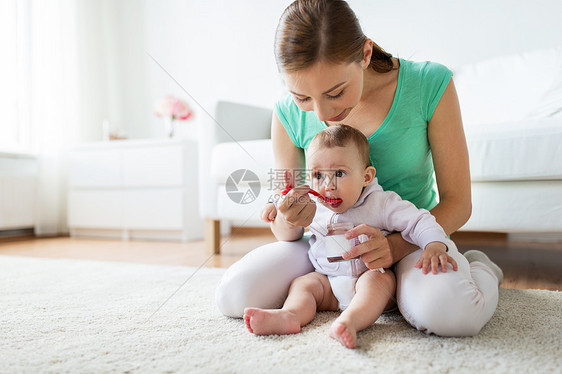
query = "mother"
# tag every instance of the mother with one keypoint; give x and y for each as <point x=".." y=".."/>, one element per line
<point x="410" y="114"/>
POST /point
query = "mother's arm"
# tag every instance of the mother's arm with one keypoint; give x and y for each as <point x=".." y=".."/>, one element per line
<point x="450" y="159"/>
<point x="297" y="210"/>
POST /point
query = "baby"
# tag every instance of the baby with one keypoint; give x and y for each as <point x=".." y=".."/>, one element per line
<point x="340" y="170"/>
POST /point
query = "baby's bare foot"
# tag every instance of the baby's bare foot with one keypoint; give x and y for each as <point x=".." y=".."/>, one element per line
<point x="344" y="333"/>
<point x="271" y="321"/>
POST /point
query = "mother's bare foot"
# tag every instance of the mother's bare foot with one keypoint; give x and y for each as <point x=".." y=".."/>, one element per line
<point x="344" y="333"/>
<point x="271" y="321"/>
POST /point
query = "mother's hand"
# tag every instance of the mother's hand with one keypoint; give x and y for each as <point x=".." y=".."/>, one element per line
<point x="375" y="252"/>
<point x="296" y="208"/>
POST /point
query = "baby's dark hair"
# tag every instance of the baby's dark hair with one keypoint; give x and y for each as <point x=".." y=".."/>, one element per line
<point x="342" y="136"/>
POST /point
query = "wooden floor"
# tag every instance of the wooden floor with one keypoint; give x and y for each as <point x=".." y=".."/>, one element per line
<point x="525" y="264"/>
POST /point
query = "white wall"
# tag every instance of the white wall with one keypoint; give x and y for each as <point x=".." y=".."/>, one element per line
<point x="215" y="50"/>
<point x="462" y="31"/>
<point x="223" y="49"/>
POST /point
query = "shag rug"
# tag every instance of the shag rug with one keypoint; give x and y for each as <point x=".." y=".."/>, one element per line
<point x="94" y="317"/>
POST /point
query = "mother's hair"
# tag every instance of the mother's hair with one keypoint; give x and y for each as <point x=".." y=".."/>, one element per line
<point x="323" y="30"/>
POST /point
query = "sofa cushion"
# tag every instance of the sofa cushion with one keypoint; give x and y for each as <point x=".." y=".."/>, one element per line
<point x="511" y="88"/>
<point x="550" y="104"/>
<point x="522" y="150"/>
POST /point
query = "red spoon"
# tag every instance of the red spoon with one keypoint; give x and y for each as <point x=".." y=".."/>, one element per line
<point x="312" y="192"/>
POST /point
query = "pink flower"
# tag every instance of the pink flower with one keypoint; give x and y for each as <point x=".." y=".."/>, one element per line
<point x="173" y="107"/>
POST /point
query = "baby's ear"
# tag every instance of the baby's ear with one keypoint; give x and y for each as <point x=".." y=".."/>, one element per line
<point x="370" y="173"/>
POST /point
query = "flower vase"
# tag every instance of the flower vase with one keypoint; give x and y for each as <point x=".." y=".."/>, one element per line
<point x="169" y="126"/>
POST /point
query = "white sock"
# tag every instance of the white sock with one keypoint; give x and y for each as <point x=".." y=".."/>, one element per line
<point x="474" y="255"/>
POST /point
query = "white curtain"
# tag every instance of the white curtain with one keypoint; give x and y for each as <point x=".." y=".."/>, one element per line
<point x="72" y="55"/>
<point x="54" y="102"/>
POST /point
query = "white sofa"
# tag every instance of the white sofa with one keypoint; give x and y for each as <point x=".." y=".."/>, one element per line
<point x="512" y="113"/>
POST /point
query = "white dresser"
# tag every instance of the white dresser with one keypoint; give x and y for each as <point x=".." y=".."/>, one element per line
<point x="135" y="189"/>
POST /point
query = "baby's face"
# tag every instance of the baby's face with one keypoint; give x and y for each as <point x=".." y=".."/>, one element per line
<point x="337" y="173"/>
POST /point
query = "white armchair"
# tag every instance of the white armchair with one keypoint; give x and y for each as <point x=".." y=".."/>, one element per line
<point x="235" y="166"/>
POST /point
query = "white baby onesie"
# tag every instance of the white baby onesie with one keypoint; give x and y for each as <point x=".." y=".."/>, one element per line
<point x="375" y="207"/>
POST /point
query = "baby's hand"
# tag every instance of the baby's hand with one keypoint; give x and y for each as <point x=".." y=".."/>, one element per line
<point x="435" y="254"/>
<point x="268" y="212"/>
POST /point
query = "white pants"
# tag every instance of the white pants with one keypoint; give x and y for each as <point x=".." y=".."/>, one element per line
<point x="456" y="303"/>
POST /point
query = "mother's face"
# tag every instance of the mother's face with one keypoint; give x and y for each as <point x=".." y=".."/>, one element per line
<point x="330" y="90"/>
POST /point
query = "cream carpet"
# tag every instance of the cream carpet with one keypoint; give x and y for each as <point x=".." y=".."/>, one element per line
<point x="92" y="317"/>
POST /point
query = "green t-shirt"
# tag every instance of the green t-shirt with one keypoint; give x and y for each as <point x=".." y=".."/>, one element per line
<point x="399" y="149"/>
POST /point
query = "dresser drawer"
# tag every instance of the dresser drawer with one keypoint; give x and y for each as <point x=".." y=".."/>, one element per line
<point x="154" y="209"/>
<point x="153" y="166"/>
<point x="95" y="209"/>
<point x="92" y="168"/>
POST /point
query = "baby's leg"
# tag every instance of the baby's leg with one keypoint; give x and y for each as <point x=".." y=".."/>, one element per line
<point x="374" y="292"/>
<point x="307" y="294"/>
